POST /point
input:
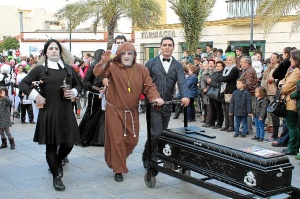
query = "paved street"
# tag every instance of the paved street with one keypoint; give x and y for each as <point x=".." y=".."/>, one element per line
<point x="24" y="172"/>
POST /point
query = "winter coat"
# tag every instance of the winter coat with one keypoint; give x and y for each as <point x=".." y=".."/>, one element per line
<point x="5" y="104"/>
<point x="230" y="80"/>
<point x="289" y="86"/>
<point x="251" y="79"/>
<point x="192" y="82"/>
<point x="271" y="88"/>
<point x="260" y="108"/>
<point x="215" y="82"/>
<point x="241" y="103"/>
<point x="203" y="85"/>
<point x="296" y="95"/>
<point x="280" y="72"/>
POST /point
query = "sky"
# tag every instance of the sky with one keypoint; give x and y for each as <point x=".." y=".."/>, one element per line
<point x="51" y="6"/>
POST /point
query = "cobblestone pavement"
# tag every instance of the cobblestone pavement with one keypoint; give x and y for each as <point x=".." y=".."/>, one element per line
<point x="24" y="171"/>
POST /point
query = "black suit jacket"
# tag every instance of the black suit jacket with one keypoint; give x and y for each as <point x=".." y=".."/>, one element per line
<point x="165" y="81"/>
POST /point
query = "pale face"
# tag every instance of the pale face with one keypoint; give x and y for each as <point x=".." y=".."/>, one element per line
<point x="185" y="54"/>
<point x="229" y="61"/>
<point x="293" y="63"/>
<point x="120" y="41"/>
<point x="211" y="65"/>
<point x="243" y="64"/>
<point x="258" y="57"/>
<point x="284" y="55"/>
<point x="205" y="66"/>
<point x="190" y="72"/>
<point x="20" y="69"/>
<point x="127" y="58"/>
<point x="257" y="93"/>
<point x="239" y="85"/>
<point x="219" y="67"/>
<point x="274" y="59"/>
<point x="208" y="49"/>
<point x="199" y="51"/>
<point x="166" y="48"/>
<point x="238" y="53"/>
<point x="53" y="52"/>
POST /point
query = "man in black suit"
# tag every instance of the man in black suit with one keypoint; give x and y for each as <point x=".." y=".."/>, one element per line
<point x="165" y="71"/>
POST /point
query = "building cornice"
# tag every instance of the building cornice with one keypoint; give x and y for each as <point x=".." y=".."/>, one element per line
<point x="223" y="22"/>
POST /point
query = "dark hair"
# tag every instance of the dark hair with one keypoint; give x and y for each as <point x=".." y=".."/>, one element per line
<point x="241" y="80"/>
<point x="46" y="45"/>
<point x="120" y="37"/>
<point x="98" y="54"/>
<point x="287" y="50"/>
<point x="277" y="55"/>
<point x="220" y="50"/>
<point x="295" y="54"/>
<point x="209" y="45"/>
<point x="222" y="63"/>
<point x="3" y="88"/>
<point x="262" y="91"/>
<point x="187" y="51"/>
<point x="212" y="61"/>
<point x="239" y="48"/>
<point x="167" y="38"/>
<point x="215" y="50"/>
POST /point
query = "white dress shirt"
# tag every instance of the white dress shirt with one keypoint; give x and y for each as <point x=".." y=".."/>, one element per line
<point x="165" y="64"/>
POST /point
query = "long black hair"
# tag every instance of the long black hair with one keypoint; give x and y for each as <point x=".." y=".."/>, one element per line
<point x="46" y="45"/>
<point x="98" y="55"/>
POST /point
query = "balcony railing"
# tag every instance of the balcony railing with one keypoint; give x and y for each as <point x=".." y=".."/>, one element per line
<point x="240" y="8"/>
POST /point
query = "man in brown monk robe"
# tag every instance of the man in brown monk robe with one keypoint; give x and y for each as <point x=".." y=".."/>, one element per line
<point x="127" y="80"/>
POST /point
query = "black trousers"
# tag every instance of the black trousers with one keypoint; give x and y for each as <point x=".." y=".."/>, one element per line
<point x="54" y="157"/>
<point x="28" y="108"/>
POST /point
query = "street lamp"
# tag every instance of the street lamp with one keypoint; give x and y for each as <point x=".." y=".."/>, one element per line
<point x="70" y="34"/>
<point x="251" y="27"/>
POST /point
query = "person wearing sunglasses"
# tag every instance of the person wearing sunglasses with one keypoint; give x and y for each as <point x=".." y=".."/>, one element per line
<point x="127" y="80"/>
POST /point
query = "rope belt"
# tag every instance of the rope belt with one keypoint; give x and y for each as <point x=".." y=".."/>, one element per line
<point x="125" y="118"/>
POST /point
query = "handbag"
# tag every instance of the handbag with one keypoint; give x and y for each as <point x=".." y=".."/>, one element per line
<point x="227" y="97"/>
<point x="278" y="106"/>
<point x="213" y="93"/>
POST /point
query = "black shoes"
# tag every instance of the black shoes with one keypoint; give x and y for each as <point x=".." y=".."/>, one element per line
<point x="224" y="129"/>
<point x="230" y="129"/>
<point x="118" y="177"/>
<point x="60" y="170"/>
<point x="58" y="184"/>
<point x="277" y="144"/>
<point x="206" y="125"/>
<point x="217" y="127"/>
<point x="286" y="152"/>
<point x="254" y="138"/>
<point x="260" y="139"/>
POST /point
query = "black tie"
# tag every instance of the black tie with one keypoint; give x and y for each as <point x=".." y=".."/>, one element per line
<point x="165" y="59"/>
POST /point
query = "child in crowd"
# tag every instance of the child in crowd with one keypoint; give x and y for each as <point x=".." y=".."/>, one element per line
<point x="240" y="106"/>
<point x="257" y="65"/>
<point x="260" y="113"/>
<point x="5" y="122"/>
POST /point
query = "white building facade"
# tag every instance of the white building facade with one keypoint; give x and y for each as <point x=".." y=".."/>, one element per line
<point x="229" y="24"/>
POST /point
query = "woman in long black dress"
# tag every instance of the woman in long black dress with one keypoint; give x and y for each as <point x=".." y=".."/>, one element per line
<point x="56" y="124"/>
<point x="91" y="126"/>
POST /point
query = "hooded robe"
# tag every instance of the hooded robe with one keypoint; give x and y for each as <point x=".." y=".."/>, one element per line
<point x="122" y="116"/>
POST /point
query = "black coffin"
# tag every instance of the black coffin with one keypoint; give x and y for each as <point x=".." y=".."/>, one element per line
<point x="235" y="162"/>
